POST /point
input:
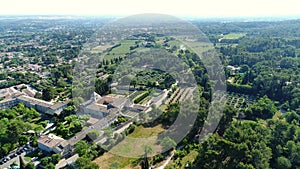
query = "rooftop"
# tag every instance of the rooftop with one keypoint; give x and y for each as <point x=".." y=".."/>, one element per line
<point x="50" y="140"/>
<point x="58" y="105"/>
<point x="105" y="100"/>
<point x="92" y="121"/>
<point x="97" y="107"/>
<point x="34" y="101"/>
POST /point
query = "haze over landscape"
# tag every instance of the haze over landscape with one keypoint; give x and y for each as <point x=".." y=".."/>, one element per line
<point x="199" y="8"/>
<point x="157" y="84"/>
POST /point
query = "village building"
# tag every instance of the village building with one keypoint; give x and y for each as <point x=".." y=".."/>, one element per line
<point x="54" y="144"/>
<point x="14" y="98"/>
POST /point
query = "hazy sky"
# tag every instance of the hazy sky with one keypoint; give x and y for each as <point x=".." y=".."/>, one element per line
<point x="208" y="8"/>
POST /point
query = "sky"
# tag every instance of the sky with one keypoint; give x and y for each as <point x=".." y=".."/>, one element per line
<point x="199" y="8"/>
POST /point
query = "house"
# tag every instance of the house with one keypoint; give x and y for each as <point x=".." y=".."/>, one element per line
<point x="94" y="109"/>
<point x="98" y="107"/>
<point x="40" y="105"/>
<point x="54" y="144"/>
<point x="57" y="108"/>
<point x="8" y="103"/>
<point x="233" y="69"/>
<point x="92" y="121"/>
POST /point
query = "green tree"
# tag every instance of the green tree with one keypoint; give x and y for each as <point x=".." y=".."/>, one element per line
<point x="85" y="163"/>
<point x="55" y="158"/>
<point x="167" y="143"/>
<point x="93" y="134"/>
<point x="133" y="82"/>
<point x="282" y="162"/>
<point x="45" y="161"/>
<point x="264" y="108"/>
<point x="82" y="148"/>
<point x="50" y="166"/>
<point x="48" y="93"/>
<point x="29" y="165"/>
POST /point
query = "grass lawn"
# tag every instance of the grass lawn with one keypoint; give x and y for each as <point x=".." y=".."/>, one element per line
<point x="134" y="144"/>
<point x="234" y="36"/>
<point x="142" y="132"/>
<point x="98" y="49"/>
<point x="199" y="47"/>
<point x="189" y="158"/>
<point x="175" y="43"/>
<point x="27" y="159"/>
<point x="163" y="107"/>
<point x="121" y="50"/>
<point x="109" y="160"/>
<point x="130" y="146"/>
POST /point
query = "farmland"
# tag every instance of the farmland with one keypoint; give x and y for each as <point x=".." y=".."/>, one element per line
<point x="234" y="36"/>
<point x="180" y="94"/>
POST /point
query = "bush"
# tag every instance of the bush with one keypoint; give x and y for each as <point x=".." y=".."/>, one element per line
<point x="141" y="97"/>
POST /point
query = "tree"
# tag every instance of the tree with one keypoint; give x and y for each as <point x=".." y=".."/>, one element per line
<point x="48" y="93"/>
<point x="133" y="82"/>
<point x="45" y="161"/>
<point x="29" y="165"/>
<point x="50" y="166"/>
<point x="102" y="87"/>
<point x="245" y="68"/>
<point x="82" y="148"/>
<point x="282" y="162"/>
<point x="93" y="134"/>
<point x="38" y="95"/>
<point x="167" y="143"/>
<point x="264" y="108"/>
<point x="147" y="151"/>
<point x="85" y="163"/>
<point x="55" y="158"/>
<point x="228" y="114"/>
<point x="23" y="139"/>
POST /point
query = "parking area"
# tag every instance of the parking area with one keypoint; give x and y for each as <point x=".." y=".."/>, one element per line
<point x="14" y="156"/>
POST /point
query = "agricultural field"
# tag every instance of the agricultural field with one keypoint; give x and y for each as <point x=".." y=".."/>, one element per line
<point x="121" y="50"/>
<point x="134" y="94"/>
<point x="180" y="94"/>
<point x="234" y="36"/>
<point x="239" y="101"/>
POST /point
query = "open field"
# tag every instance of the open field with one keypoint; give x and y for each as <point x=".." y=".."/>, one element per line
<point x="130" y="146"/>
<point x="234" y="36"/>
<point x="98" y="49"/>
<point x="187" y="159"/>
<point x="121" y="50"/>
<point x="109" y="160"/>
<point x="142" y="132"/>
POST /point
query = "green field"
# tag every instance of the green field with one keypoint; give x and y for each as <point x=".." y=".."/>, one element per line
<point x="121" y="50"/>
<point x="234" y="36"/>
<point x="126" y="147"/>
<point x="187" y="159"/>
<point x="109" y="160"/>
